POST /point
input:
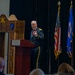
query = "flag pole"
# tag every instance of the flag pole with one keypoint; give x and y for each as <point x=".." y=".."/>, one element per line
<point x="48" y="46"/>
<point x="59" y="3"/>
<point x="72" y="64"/>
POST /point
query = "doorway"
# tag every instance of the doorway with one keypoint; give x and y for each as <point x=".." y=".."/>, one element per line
<point x="2" y="41"/>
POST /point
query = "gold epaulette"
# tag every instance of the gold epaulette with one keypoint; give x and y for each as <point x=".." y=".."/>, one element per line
<point x="40" y="29"/>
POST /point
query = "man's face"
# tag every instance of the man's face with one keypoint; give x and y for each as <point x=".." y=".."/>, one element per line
<point x="33" y="25"/>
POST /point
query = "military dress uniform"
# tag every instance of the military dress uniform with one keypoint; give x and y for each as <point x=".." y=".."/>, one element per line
<point x="36" y="52"/>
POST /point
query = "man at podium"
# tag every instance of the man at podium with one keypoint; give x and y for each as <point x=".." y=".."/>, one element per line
<point x="37" y="38"/>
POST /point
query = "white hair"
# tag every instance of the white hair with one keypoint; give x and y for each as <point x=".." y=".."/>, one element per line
<point x="37" y="72"/>
<point x="33" y="21"/>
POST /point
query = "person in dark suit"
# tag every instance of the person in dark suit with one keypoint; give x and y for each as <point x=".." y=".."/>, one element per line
<point x="36" y="37"/>
<point x="2" y="64"/>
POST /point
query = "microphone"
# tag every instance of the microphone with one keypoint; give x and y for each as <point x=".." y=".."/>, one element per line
<point x="34" y="33"/>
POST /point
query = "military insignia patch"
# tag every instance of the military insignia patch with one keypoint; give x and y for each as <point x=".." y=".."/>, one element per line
<point x="12" y="26"/>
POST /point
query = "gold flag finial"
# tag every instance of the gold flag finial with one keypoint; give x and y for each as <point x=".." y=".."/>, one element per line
<point x="71" y="3"/>
<point x="59" y="3"/>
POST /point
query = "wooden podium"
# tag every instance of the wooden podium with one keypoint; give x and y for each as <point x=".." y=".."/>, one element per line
<point x="22" y="56"/>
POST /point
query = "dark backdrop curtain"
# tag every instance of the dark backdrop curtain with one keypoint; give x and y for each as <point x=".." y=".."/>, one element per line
<point x="29" y="10"/>
<point x="64" y="16"/>
<point x="45" y="12"/>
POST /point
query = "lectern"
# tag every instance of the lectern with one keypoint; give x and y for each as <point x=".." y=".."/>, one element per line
<point x="22" y="56"/>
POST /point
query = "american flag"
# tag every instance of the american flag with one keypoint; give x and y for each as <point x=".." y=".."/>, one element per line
<point x="57" y="37"/>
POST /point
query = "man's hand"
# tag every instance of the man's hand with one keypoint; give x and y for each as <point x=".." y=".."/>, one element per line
<point x="35" y="33"/>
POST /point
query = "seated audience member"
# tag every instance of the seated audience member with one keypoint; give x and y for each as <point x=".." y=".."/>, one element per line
<point x="65" y="68"/>
<point x="37" y="72"/>
<point x="2" y="64"/>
